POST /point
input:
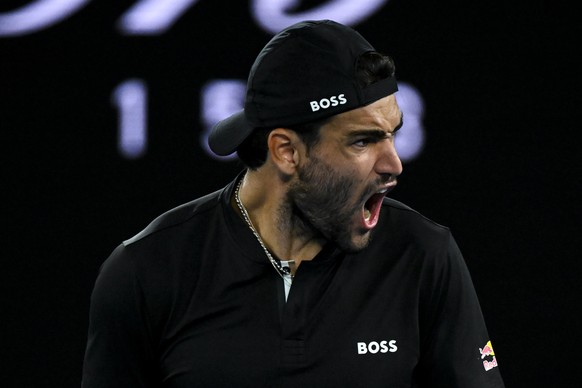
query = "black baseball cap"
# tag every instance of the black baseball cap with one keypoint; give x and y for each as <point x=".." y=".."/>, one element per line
<point x="306" y="72"/>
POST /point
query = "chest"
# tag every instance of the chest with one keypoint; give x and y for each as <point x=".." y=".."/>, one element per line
<point x="337" y="328"/>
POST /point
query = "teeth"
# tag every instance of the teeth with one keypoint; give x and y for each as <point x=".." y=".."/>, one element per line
<point x="367" y="214"/>
<point x="382" y="191"/>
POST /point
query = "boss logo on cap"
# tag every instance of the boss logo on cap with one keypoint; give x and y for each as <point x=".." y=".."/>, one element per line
<point x="325" y="103"/>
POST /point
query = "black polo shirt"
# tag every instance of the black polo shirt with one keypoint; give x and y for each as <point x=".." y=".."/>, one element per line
<point x="192" y="301"/>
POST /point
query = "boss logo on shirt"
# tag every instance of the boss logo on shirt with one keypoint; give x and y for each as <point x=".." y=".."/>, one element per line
<point x="377" y="347"/>
<point x="325" y="103"/>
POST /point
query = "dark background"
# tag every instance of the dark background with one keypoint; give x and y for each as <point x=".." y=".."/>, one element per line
<point x="500" y="165"/>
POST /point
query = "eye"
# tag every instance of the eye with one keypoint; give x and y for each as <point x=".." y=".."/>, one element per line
<point x="361" y="143"/>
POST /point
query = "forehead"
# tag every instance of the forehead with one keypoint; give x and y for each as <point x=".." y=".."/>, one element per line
<point x="383" y="114"/>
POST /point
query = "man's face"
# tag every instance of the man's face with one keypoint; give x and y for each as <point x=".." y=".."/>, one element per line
<point x="340" y="187"/>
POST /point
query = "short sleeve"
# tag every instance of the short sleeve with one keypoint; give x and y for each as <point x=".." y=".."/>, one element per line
<point x="119" y="349"/>
<point x="456" y="348"/>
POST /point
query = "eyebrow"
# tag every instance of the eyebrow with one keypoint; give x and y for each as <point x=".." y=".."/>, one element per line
<point x="400" y="124"/>
<point x="377" y="133"/>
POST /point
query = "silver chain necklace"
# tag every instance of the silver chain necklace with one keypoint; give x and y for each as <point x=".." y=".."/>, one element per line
<point x="284" y="272"/>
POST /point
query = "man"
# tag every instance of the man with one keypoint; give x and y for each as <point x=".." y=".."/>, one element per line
<point x="300" y="272"/>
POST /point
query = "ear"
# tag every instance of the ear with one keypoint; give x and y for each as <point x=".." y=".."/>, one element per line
<point x="284" y="149"/>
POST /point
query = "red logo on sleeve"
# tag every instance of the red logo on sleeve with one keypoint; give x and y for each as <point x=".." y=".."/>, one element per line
<point x="488" y="356"/>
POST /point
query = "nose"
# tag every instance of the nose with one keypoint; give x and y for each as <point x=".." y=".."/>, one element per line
<point x="388" y="161"/>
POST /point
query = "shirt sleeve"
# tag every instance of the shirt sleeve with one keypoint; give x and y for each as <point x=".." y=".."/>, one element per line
<point x="119" y="349"/>
<point x="455" y="345"/>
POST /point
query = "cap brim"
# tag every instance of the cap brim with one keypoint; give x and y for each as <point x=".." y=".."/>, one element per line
<point x="229" y="133"/>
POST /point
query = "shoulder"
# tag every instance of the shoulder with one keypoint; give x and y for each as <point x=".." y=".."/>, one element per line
<point x="168" y="243"/>
<point x="189" y="212"/>
<point x="168" y="228"/>
<point x="150" y="264"/>
<point x="405" y="232"/>
<point x="410" y="223"/>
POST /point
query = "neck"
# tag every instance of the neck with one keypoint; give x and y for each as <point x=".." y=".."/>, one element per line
<point x="271" y="215"/>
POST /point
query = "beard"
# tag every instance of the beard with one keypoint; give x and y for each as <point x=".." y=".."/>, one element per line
<point x="324" y="203"/>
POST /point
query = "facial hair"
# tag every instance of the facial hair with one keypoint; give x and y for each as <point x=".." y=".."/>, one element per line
<point x="323" y="203"/>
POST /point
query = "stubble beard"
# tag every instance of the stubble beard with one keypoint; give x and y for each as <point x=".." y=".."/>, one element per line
<point x="322" y="203"/>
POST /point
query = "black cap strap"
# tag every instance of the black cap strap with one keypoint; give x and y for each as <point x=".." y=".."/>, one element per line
<point x="379" y="89"/>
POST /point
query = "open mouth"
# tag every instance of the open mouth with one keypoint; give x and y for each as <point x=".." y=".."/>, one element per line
<point x="371" y="210"/>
